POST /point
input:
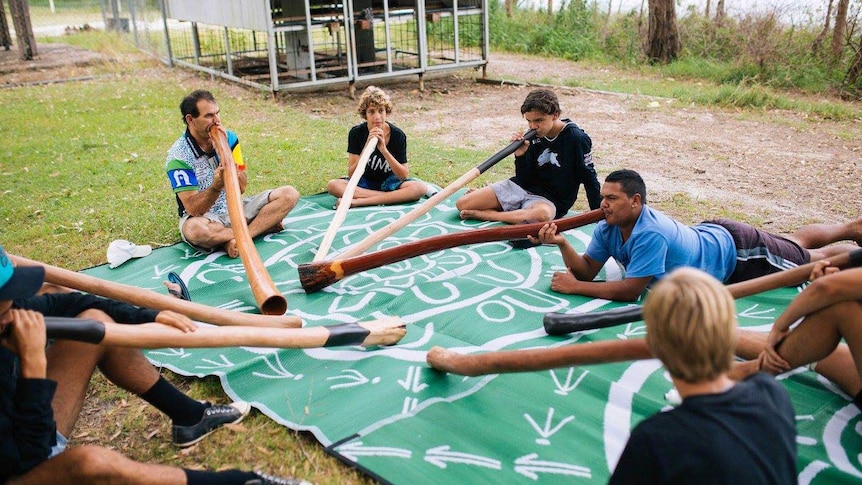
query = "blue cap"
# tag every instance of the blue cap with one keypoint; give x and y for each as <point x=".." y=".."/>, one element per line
<point x="18" y="282"/>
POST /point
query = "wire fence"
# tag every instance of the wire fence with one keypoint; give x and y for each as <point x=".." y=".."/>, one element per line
<point x="140" y="19"/>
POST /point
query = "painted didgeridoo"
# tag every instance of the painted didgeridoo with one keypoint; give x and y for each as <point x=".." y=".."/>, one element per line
<point x="316" y="276"/>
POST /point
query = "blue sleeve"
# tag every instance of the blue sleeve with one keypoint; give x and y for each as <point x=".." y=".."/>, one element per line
<point x="599" y="248"/>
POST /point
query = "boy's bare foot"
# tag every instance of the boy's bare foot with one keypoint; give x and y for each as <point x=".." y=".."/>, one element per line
<point x="338" y="203"/>
<point x="231" y="249"/>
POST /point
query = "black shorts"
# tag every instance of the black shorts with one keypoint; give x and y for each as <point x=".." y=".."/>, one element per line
<point x="760" y="253"/>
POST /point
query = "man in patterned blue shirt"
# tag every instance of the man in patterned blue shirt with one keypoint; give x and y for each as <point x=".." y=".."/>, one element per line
<point x="196" y="176"/>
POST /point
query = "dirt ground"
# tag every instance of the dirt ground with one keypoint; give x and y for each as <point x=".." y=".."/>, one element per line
<point x="779" y="168"/>
<point x="782" y="169"/>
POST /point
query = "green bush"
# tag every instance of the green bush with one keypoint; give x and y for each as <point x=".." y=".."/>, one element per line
<point x="741" y="53"/>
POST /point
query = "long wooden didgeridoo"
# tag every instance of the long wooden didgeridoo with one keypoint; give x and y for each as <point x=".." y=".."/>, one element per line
<point x="429" y="204"/>
<point x="537" y="359"/>
<point x="157" y="301"/>
<point x="560" y="323"/>
<point x="387" y="331"/>
<point x="315" y="276"/>
<point x="346" y="200"/>
<point x="268" y="298"/>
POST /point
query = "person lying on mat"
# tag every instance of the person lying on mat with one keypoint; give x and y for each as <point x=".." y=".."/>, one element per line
<point x="197" y="178"/>
<point x="650" y="244"/>
<point x="386" y="177"/>
<point x="42" y="391"/>
<point x="548" y="170"/>
<point x="831" y="311"/>
<point x="724" y="431"/>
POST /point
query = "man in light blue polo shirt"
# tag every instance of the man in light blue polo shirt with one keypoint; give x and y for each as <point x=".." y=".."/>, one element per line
<point x="650" y="244"/>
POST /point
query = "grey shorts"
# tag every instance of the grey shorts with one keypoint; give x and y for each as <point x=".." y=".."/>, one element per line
<point x="251" y="206"/>
<point x="512" y="197"/>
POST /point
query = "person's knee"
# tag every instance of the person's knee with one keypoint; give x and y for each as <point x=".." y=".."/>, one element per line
<point x="197" y="230"/>
<point x="335" y="187"/>
<point x="416" y="189"/>
<point x="542" y="213"/>
<point x="92" y="464"/>
<point x="285" y="197"/>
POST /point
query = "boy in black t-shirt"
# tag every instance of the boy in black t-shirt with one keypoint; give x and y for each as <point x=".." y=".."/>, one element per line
<point x="724" y="432"/>
<point x="386" y="177"/>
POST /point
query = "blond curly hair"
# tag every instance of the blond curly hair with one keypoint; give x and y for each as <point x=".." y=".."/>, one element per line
<point x="691" y="325"/>
<point x="373" y="96"/>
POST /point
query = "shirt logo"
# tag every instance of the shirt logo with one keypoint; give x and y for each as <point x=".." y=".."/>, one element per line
<point x="183" y="178"/>
<point x="548" y="156"/>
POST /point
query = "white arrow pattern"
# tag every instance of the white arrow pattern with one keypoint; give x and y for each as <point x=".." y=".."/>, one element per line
<point x="567" y="387"/>
<point x="547" y="431"/>
<point x="413" y="382"/>
<point x="440" y="456"/>
<point x="528" y="466"/>
<point x="354" y="450"/>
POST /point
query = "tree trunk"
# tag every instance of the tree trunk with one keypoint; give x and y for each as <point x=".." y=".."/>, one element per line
<point x="719" y="12"/>
<point x="840" y="27"/>
<point x="706" y="11"/>
<point x="550" y="7"/>
<point x="664" y="44"/>
<point x="509" y="5"/>
<point x="20" y="11"/>
<point x="855" y="68"/>
<point x="815" y="47"/>
<point x="5" y="35"/>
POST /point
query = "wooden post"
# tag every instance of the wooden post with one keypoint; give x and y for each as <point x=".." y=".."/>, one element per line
<point x="20" y="11"/>
<point x="5" y="35"/>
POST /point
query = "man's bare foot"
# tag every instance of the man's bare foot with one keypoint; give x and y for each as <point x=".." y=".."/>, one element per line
<point x="231" y="249"/>
<point x="276" y="228"/>
<point x="468" y="214"/>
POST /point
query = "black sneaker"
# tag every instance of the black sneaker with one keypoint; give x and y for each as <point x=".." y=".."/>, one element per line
<point x="264" y="479"/>
<point x="214" y="418"/>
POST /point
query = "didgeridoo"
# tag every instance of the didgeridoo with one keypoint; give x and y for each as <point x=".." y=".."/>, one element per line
<point x="268" y="298"/>
<point x="387" y="331"/>
<point x="346" y="200"/>
<point x="157" y="301"/>
<point x="537" y="359"/>
<point x="435" y="199"/>
<point x="316" y="276"/>
<point x="561" y="323"/>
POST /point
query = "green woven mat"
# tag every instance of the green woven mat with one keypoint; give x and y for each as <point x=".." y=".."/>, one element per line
<point x="385" y="411"/>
